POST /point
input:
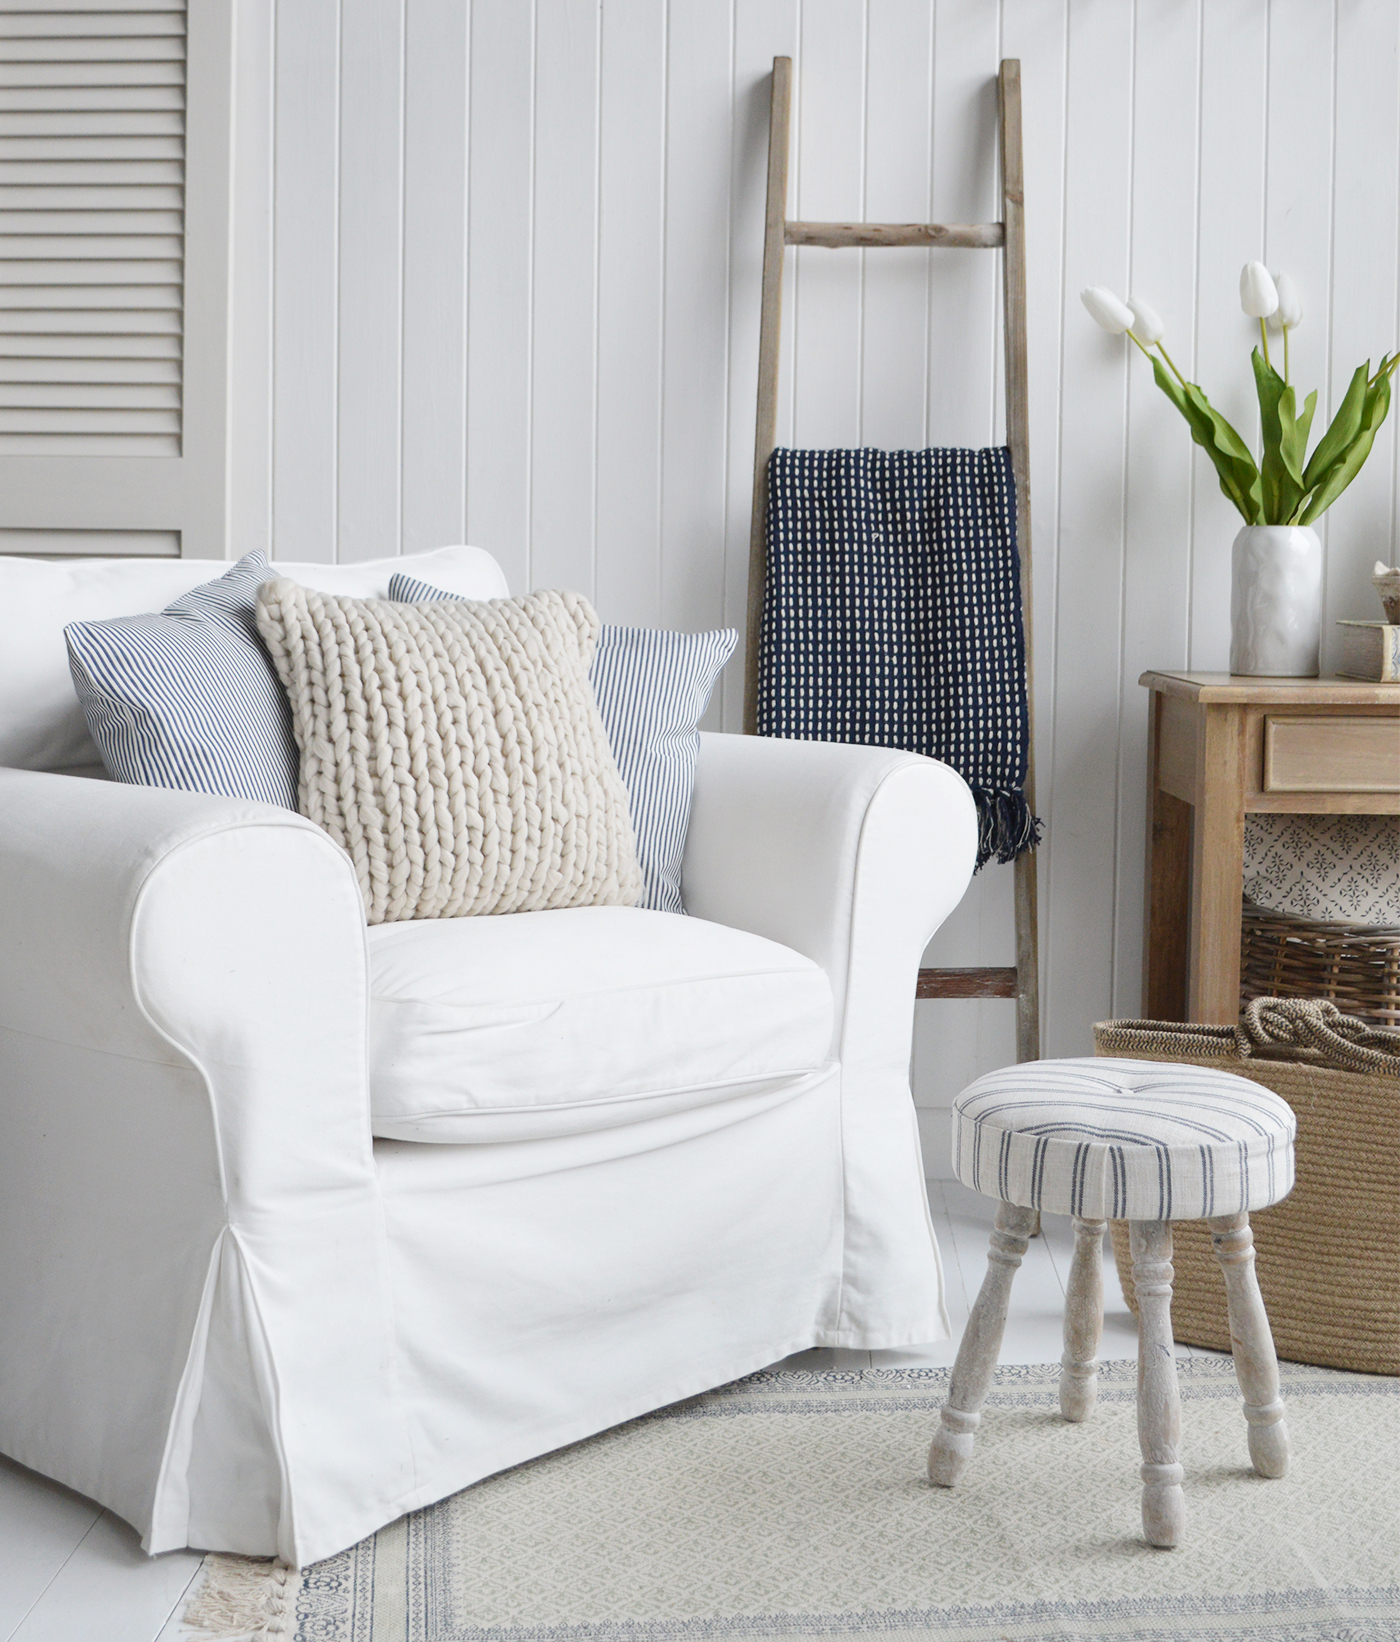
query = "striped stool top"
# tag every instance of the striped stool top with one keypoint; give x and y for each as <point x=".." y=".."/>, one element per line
<point x="1111" y="1139"/>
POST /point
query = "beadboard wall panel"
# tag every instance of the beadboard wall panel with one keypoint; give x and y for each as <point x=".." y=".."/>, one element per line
<point x="496" y="279"/>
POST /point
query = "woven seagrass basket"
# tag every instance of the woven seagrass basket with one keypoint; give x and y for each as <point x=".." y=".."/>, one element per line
<point x="1328" y="1256"/>
<point x="1355" y="966"/>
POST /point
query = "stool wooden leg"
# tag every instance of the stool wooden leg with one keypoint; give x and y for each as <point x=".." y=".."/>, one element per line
<point x="1079" y="1367"/>
<point x="1158" y="1399"/>
<point x="1252" y="1343"/>
<point x="981" y="1343"/>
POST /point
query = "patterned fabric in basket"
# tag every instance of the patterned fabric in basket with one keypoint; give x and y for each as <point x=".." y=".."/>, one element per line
<point x="1334" y="868"/>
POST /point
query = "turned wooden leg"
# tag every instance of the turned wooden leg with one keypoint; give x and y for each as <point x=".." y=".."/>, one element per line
<point x="1158" y="1399"/>
<point x="1252" y="1343"/>
<point x="1079" y="1367"/>
<point x="981" y="1342"/>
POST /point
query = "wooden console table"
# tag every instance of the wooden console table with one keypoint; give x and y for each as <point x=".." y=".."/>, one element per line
<point x="1221" y="748"/>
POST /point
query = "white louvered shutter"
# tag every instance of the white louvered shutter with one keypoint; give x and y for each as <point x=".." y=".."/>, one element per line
<point x="114" y="203"/>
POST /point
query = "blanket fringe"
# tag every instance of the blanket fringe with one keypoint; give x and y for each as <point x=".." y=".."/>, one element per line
<point x="1005" y="826"/>
<point x="244" y="1597"/>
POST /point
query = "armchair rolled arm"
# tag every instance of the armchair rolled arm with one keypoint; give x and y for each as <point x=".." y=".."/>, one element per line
<point x="187" y="1179"/>
<point x="93" y="871"/>
<point x="853" y="856"/>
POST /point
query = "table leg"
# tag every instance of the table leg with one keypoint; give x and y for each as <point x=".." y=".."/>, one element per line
<point x="1167" y="881"/>
<point x="1168" y="905"/>
<point x="1217" y="868"/>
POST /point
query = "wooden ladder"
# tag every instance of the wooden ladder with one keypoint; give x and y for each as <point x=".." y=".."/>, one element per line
<point x="1022" y="982"/>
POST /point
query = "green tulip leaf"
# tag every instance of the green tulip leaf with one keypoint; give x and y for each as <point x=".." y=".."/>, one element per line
<point x="1346" y="424"/>
<point x="1239" y="477"/>
<point x="1281" y="477"/>
<point x="1239" y="485"/>
<point x="1297" y="454"/>
<point x="1348" y="464"/>
<point x="1302" y="427"/>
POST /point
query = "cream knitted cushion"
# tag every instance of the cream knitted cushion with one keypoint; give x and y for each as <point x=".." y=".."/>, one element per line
<point x="455" y="750"/>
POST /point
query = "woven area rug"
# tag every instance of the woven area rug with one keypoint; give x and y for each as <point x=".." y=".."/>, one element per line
<point x="795" y="1505"/>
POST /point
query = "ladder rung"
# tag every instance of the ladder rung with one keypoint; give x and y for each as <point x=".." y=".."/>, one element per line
<point x="967" y="983"/>
<point x="971" y="236"/>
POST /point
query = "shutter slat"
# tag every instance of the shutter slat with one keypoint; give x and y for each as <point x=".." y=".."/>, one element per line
<point x="54" y="542"/>
<point x="79" y="71"/>
<point x="149" y="49"/>
<point x="64" y="171"/>
<point x="59" y="11"/>
<point x="93" y="246"/>
<point x="92" y="371"/>
<point x="92" y="196"/>
<point x="91" y="222"/>
<point x="94" y="28"/>
<point x="75" y="419"/>
<point x="77" y="99"/>
<point x="90" y="271"/>
<point x="92" y="346"/>
<point x="93" y="149"/>
<point x="89" y="396"/>
<point x="89" y="322"/>
<point x="58" y="300"/>
<point x="103" y="123"/>
<point x="89" y="444"/>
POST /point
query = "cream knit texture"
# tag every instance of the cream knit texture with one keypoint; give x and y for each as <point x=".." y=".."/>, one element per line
<point x="455" y="750"/>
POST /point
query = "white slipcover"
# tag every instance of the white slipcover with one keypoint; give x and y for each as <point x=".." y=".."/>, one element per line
<point x="239" y="1321"/>
<point x="487" y="1029"/>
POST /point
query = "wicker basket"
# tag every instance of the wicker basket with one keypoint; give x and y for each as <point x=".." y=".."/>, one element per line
<point x="1328" y="1255"/>
<point x="1355" y="966"/>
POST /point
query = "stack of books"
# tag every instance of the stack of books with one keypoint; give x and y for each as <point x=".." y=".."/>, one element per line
<point x="1369" y="650"/>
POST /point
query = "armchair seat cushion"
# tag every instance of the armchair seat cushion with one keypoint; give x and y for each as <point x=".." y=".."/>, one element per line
<point x="539" y="1024"/>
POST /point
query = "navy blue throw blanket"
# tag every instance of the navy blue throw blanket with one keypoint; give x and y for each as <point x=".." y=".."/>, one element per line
<point x="892" y="617"/>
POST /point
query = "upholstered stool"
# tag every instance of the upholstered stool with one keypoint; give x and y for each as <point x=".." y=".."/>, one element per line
<point x="1131" y="1140"/>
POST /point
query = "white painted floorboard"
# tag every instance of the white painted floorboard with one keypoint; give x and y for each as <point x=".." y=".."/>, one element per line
<point x="71" y="1572"/>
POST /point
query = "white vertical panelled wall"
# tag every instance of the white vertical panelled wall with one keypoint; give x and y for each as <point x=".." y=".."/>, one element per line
<point x="496" y="279"/>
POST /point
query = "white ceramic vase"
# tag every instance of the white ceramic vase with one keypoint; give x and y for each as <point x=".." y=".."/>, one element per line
<point x="1276" y="602"/>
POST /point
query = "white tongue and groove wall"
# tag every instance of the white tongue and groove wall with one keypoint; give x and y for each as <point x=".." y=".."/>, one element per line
<point x="496" y="280"/>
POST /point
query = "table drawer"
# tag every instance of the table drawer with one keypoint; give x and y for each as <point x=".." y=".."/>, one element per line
<point x="1331" y="754"/>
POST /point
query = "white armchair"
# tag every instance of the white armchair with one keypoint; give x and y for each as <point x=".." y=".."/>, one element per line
<point x="239" y="1309"/>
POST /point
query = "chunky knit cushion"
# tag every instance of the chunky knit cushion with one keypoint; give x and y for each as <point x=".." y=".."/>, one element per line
<point x="455" y="750"/>
<point x="1124" y="1139"/>
<point x="652" y="687"/>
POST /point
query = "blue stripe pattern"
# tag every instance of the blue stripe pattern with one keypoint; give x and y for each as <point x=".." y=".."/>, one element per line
<point x="188" y="698"/>
<point x="1124" y="1139"/>
<point x="651" y="687"/>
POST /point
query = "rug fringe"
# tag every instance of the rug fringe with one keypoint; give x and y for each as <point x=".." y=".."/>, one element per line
<point x="244" y="1596"/>
<point x="1005" y="826"/>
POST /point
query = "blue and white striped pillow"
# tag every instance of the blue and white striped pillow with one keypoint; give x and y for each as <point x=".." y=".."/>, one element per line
<point x="188" y="698"/>
<point x="652" y="688"/>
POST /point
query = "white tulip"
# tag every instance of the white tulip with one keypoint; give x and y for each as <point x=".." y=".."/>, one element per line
<point x="1258" y="295"/>
<point x="1289" y="313"/>
<point x="1147" y="327"/>
<point x="1107" y="310"/>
